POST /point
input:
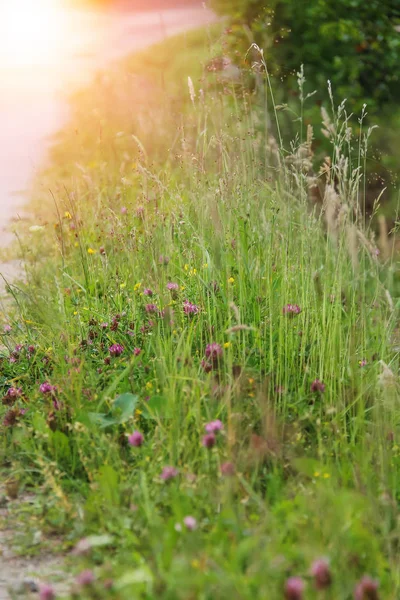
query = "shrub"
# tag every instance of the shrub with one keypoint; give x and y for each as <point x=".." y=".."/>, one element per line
<point x="353" y="43"/>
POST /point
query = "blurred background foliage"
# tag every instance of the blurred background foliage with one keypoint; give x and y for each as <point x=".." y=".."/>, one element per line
<point x="352" y="43"/>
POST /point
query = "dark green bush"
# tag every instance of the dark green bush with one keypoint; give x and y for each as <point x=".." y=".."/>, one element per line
<point x="354" y="43"/>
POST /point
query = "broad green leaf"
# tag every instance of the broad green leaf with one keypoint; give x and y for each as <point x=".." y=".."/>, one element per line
<point x="141" y="575"/>
<point x="103" y="420"/>
<point x="155" y="408"/>
<point x="125" y="404"/>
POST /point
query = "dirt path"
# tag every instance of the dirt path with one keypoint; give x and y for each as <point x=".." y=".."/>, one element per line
<point x="33" y="106"/>
<point x="20" y="576"/>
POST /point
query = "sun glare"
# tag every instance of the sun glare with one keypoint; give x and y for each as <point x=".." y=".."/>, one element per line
<point x="30" y="32"/>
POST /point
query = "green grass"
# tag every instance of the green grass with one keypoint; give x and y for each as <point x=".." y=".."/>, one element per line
<point x="142" y="173"/>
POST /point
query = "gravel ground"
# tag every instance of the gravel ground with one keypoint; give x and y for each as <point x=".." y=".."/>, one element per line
<point x="19" y="576"/>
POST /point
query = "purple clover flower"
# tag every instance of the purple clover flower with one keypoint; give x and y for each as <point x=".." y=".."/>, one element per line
<point x="151" y="308"/>
<point x="209" y="440"/>
<point x="317" y="386"/>
<point x="190" y="523"/>
<point x="214" y="353"/>
<point x="46" y="592"/>
<point x="137" y="351"/>
<point x="116" y="350"/>
<point x="172" y="287"/>
<point x="321" y="572"/>
<point x="148" y="292"/>
<point x="136" y="439"/>
<point x="227" y="469"/>
<point x="206" y="366"/>
<point x="47" y="388"/>
<point x="12" y="416"/>
<point x="291" y="309"/>
<point x="214" y="426"/>
<point x="294" y="588"/>
<point x="366" y="589"/>
<point x="57" y="404"/>
<point x="169" y="473"/>
<point x="190" y="309"/>
<point x="14" y="392"/>
<point x="85" y="578"/>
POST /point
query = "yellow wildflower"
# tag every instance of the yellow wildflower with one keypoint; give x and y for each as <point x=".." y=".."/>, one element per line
<point x="91" y="251"/>
<point x="227" y="345"/>
<point x="136" y="287"/>
<point x="67" y="215"/>
<point x="231" y="280"/>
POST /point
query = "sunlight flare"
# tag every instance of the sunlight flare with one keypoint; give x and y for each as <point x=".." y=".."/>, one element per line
<point x="31" y="32"/>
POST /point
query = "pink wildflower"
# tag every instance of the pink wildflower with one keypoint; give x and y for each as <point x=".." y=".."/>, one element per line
<point x="317" y="386"/>
<point x="366" y="589"/>
<point x="322" y="574"/>
<point x="169" y="473"/>
<point x="214" y="426"/>
<point x="209" y="440"/>
<point x="294" y="588"/>
<point x="136" y="439"/>
<point x="151" y="308"/>
<point x="206" y="366"/>
<point x="116" y="350"/>
<point x="13" y="392"/>
<point x="190" y="523"/>
<point x="227" y="469"/>
<point x="47" y="388"/>
<point x="214" y="353"/>
<point x="46" y="592"/>
<point x="291" y="309"/>
<point x="85" y="578"/>
<point x="190" y="309"/>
